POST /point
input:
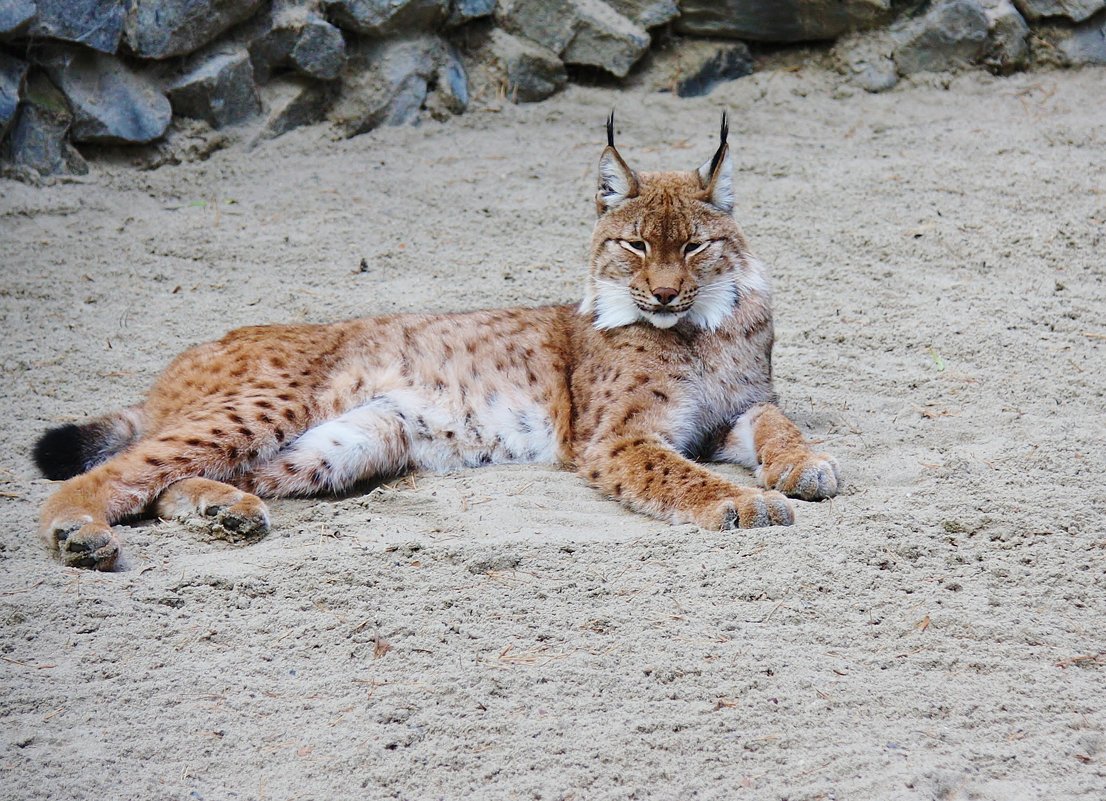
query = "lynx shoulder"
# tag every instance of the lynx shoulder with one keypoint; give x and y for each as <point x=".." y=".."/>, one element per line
<point x="666" y="362"/>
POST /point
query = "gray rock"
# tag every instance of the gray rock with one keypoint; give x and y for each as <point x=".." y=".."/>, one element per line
<point x="110" y="102"/>
<point x="528" y="71"/>
<point x="951" y="34"/>
<point x="1084" y="44"/>
<point x="15" y="16"/>
<point x="582" y="32"/>
<point x="387" y="17"/>
<point x="867" y="61"/>
<point x="165" y="28"/>
<point x="38" y="139"/>
<point x="385" y="83"/>
<point x="646" y="13"/>
<point x="705" y="68"/>
<point x="291" y="101"/>
<point x="13" y="77"/>
<point x="293" y="38"/>
<point x="1075" y="10"/>
<point x="781" y="20"/>
<point x="217" y="88"/>
<point x="550" y="23"/>
<point x="1007" y="45"/>
<point x="451" y="86"/>
<point x="269" y="37"/>
<point x="605" y="39"/>
<point x="319" y="50"/>
<point x="94" y="23"/>
<point x="462" y="11"/>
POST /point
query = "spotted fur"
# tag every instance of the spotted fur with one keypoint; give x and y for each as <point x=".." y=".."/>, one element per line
<point x="667" y="359"/>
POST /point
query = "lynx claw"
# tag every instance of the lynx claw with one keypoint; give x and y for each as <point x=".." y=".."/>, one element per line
<point x="807" y="476"/>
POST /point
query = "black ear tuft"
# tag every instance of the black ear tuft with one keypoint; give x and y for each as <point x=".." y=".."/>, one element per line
<point x="724" y="134"/>
<point x="610" y="129"/>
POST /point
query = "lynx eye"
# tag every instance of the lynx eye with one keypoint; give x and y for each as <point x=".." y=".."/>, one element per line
<point x="691" y="248"/>
<point x="637" y="246"/>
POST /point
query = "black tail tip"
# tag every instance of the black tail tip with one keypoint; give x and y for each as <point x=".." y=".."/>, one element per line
<point x="59" y="453"/>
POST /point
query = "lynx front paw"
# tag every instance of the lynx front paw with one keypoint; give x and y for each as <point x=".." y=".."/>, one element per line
<point x="803" y="474"/>
<point x="751" y="510"/>
<point x="82" y="543"/>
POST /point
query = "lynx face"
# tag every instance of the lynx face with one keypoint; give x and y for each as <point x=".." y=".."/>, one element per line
<point x="665" y="247"/>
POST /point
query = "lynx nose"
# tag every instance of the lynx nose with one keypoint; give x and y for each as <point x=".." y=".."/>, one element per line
<point x="665" y="294"/>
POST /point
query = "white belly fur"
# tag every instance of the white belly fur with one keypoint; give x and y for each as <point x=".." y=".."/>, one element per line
<point x="401" y="428"/>
<point x="503" y="428"/>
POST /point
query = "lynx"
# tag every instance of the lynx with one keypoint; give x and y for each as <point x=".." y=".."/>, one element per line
<point x="666" y="362"/>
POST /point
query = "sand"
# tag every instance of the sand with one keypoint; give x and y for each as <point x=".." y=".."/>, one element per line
<point x="936" y="631"/>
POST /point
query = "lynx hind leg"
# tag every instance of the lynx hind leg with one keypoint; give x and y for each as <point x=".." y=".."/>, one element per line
<point x="765" y="440"/>
<point x="218" y="441"/>
<point x="368" y="441"/>
<point x="224" y="509"/>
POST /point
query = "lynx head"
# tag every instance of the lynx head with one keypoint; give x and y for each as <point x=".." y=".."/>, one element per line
<point x="666" y="247"/>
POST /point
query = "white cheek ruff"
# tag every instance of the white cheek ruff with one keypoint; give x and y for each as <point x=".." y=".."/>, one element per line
<point x="714" y="303"/>
<point x="613" y="305"/>
<point x="753" y="277"/>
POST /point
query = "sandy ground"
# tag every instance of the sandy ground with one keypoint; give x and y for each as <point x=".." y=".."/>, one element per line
<point x="936" y="632"/>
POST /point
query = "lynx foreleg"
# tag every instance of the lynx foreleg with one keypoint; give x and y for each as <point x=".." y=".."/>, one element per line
<point x="649" y="476"/>
<point x="765" y="440"/>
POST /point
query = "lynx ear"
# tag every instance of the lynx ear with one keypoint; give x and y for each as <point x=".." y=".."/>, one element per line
<point x="716" y="176"/>
<point x="617" y="181"/>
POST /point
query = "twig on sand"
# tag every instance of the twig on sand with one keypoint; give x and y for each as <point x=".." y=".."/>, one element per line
<point x="22" y="589"/>
<point x="536" y="656"/>
<point x="1083" y="660"/>
<point x="361" y="626"/>
<point x="341" y="714"/>
<point x="45" y="666"/>
<point x="283" y="636"/>
<point x="825" y="764"/>
<point x="373" y="684"/>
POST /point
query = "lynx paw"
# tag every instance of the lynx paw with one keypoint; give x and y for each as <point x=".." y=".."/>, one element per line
<point x="803" y="474"/>
<point x="752" y="510"/>
<point x="82" y="543"/>
<point x="217" y="508"/>
<point x="248" y="518"/>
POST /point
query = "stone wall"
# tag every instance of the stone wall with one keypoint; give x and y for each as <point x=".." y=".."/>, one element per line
<point x="81" y="73"/>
